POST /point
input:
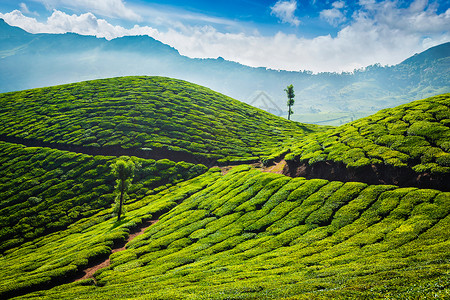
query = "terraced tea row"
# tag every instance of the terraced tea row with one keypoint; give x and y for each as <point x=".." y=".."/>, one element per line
<point x="250" y="234"/>
<point x="61" y="257"/>
<point x="44" y="190"/>
<point x="408" y="145"/>
<point x="152" y="116"/>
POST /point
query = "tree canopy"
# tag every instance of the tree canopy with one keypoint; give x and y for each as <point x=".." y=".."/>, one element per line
<point x="123" y="170"/>
<point x="291" y="95"/>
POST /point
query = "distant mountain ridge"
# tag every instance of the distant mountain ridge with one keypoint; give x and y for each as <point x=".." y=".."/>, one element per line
<point x="38" y="60"/>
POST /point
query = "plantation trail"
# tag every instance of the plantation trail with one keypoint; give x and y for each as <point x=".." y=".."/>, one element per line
<point x="89" y="272"/>
<point x="277" y="168"/>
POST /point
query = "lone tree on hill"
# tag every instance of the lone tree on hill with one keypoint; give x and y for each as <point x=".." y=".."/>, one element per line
<point x="123" y="170"/>
<point x="290" y="94"/>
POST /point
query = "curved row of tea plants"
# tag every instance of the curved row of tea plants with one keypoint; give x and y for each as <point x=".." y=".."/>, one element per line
<point x="147" y="113"/>
<point x="61" y="257"/>
<point x="43" y="190"/>
<point x="254" y="235"/>
<point x="414" y="135"/>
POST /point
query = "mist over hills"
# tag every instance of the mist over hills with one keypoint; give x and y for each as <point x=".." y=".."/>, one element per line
<point x="38" y="60"/>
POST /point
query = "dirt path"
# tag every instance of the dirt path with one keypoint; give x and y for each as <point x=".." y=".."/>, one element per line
<point x="89" y="272"/>
<point x="277" y="168"/>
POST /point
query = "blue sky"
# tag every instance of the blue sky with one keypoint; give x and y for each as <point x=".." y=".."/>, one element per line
<point x="335" y="35"/>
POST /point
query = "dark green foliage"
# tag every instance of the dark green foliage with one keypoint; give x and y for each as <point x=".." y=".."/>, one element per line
<point x="44" y="190"/>
<point x="123" y="170"/>
<point x="286" y="238"/>
<point x="414" y="135"/>
<point x="290" y="95"/>
<point x="148" y="113"/>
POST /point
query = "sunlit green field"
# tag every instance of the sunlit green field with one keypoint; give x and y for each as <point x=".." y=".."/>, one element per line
<point x="230" y="233"/>
<point x="414" y="135"/>
<point x="257" y="235"/>
<point x="149" y="114"/>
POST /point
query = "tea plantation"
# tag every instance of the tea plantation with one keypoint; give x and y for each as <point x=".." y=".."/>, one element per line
<point x="254" y="235"/>
<point x="411" y="140"/>
<point x="245" y="234"/>
<point x="44" y="190"/>
<point x="150" y="115"/>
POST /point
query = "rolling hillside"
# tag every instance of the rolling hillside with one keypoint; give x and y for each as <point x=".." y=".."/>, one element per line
<point x="44" y="190"/>
<point x="150" y="117"/>
<point x="209" y="233"/>
<point x="408" y="145"/>
<point x="40" y="60"/>
<point x="251" y="235"/>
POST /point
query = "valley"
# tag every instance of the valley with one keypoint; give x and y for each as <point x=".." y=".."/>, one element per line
<point x="356" y="211"/>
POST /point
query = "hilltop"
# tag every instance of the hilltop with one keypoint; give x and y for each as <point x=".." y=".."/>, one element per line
<point x="337" y="227"/>
<point x="149" y="117"/>
<point x="40" y="60"/>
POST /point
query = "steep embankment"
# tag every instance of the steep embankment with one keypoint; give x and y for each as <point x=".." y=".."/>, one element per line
<point x="407" y="146"/>
<point x="254" y="235"/>
<point x="153" y="117"/>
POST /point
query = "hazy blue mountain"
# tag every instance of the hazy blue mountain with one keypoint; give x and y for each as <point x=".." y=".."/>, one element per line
<point x="37" y="60"/>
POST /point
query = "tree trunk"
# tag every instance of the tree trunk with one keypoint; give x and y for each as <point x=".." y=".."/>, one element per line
<point x="122" y="190"/>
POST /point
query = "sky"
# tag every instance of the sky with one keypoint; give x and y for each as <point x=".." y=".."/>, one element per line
<point x="294" y="35"/>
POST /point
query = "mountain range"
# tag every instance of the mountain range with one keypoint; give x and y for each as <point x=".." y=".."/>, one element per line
<point x="37" y="60"/>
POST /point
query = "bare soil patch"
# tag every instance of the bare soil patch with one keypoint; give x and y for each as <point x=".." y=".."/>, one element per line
<point x="89" y="272"/>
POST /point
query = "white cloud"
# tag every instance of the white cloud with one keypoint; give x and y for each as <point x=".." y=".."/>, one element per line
<point x="24" y="8"/>
<point x="334" y="16"/>
<point x="338" y="4"/>
<point x="284" y="10"/>
<point x="109" y="8"/>
<point x="379" y="33"/>
<point x="85" y="24"/>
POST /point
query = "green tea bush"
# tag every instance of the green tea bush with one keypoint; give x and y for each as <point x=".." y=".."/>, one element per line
<point x="408" y="136"/>
<point x="52" y="189"/>
<point x="375" y="239"/>
<point x="147" y="113"/>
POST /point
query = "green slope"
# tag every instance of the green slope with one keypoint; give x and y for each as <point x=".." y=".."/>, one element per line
<point x="244" y="235"/>
<point x="407" y="145"/>
<point x="44" y="190"/>
<point x="149" y="116"/>
<point x="254" y="235"/>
